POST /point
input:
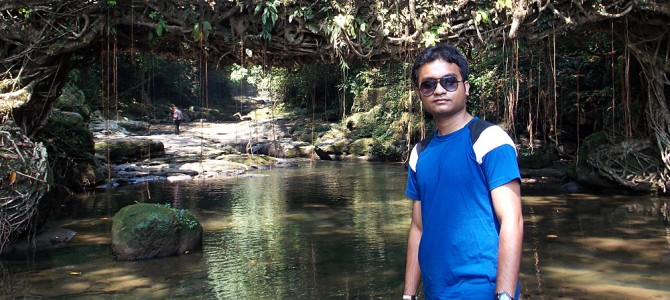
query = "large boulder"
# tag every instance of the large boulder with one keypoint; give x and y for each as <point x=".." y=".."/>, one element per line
<point x="71" y="151"/>
<point x="128" y="149"/>
<point x="361" y="147"/>
<point x="144" y="231"/>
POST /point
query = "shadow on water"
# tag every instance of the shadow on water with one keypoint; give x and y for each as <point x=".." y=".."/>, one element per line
<point x="587" y="246"/>
<point x="338" y="231"/>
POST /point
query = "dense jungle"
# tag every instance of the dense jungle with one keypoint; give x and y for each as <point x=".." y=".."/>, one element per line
<point x="580" y="85"/>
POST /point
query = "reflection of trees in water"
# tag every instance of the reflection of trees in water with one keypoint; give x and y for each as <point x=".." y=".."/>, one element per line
<point x="532" y="226"/>
<point x="12" y="282"/>
<point x="578" y="244"/>
<point x="652" y="208"/>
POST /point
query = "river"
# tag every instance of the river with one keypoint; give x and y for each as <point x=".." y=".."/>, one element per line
<point x="334" y="230"/>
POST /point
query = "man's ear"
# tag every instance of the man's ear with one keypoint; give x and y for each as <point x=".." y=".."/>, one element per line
<point x="466" y="84"/>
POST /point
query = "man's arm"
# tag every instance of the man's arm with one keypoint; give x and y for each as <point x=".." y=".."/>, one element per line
<point x="507" y="206"/>
<point x="412" y="269"/>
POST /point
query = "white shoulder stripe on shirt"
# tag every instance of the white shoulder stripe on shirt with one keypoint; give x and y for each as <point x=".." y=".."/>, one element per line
<point x="491" y="138"/>
<point x="413" y="158"/>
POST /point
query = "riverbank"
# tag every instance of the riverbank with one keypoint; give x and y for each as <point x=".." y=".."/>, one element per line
<point x="208" y="150"/>
<point x="201" y="150"/>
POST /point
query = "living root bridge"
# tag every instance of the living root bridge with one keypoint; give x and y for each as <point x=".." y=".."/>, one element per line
<point x="23" y="182"/>
<point x="634" y="164"/>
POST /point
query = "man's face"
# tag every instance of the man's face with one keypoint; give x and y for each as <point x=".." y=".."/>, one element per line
<point x="442" y="103"/>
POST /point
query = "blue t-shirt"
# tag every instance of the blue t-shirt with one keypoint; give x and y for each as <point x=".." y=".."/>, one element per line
<point x="452" y="177"/>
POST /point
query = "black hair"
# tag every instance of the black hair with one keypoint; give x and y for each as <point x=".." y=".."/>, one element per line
<point x="444" y="52"/>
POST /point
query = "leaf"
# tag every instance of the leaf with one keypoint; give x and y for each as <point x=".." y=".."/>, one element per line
<point x="248" y="52"/>
<point x="196" y="32"/>
<point x="206" y="28"/>
<point x="161" y="26"/>
<point x="12" y="178"/>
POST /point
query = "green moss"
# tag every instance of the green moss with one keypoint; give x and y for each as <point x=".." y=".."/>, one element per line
<point x="258" y="160"/>
<point x="130" y="149"/>
<point x="71" y="150"/>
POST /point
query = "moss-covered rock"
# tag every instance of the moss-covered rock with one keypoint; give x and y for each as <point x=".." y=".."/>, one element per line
<point x="256" y="161"/>
<point x="71" y="151"/>
<point x="361" y="147"/>
<point x="143" y="231"/>
<point x="537" y="159"/>
<point x="125" y="150"/>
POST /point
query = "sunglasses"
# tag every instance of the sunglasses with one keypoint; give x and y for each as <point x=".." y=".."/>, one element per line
<point x="428" y="86"/>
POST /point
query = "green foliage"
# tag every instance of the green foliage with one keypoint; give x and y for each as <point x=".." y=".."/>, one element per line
<point x="386" y="150"/>
<point x="201" y="32"/>
<point x="269" y="17"/>
<point x="313" y="88"/>
<point x="73" y="99"/>
<point x="161" y="25"/>
<point x="301" y="12"/>
<point x="149" y="84"/>
<point x="482" y="16"/>
<point x="184" y="218"/>
<point x="268" y="84"/>
<point x="25" y="12"/>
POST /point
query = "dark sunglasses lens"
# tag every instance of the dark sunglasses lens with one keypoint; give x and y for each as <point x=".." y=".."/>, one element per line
<point x="449" y="83"/>
<point x="428" y="86"/>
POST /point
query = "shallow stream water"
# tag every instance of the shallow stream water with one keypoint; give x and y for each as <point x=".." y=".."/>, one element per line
<point x="333" y="230"/>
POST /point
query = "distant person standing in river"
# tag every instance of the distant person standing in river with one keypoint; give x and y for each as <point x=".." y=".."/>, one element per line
<point x="466" y="233"/>
<point x="177" y="116"/>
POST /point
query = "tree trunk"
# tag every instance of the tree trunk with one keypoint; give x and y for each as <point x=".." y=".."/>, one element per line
<point x="33" y="115"/>
<point x="655" y="69"/>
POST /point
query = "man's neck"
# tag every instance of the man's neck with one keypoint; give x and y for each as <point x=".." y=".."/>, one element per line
<point x="452" y="123"/>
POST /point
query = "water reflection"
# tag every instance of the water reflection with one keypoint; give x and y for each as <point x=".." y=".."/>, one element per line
<point x="585" y="246"/>
<point x="338" y="231"/>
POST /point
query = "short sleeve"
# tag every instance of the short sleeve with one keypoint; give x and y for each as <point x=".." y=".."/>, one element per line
<point x="500" y="166"/>
<point x="412" y="188"/>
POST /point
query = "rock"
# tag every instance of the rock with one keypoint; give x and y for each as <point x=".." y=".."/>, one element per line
<point x="336" y="147"/>
<point x="361" y="147"/>
<point x="537" y="159"/>
<point x="572" y="187"/>
<point x="102" y="128"/>
<point x="286" y="148"/>
<point x="128" y="149"/>
<point x="48" y="236"/>
<point x="75" y="115"/>
<point x="144" y="231"/>
<point x="323" y="155"/>
<point x="134" y="126"/>
<point x="71" y="151"/>
<point x="554" y="175"/>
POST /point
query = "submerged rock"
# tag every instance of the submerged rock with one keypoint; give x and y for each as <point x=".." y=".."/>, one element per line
<point x="48" y="236"/>
<point x="144" y="231"/>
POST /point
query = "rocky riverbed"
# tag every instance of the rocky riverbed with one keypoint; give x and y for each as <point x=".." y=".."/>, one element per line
<point x="201" y="150"/>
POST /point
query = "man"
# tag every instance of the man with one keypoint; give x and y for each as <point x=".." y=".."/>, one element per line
<point x="466" y="233"/>
<point x="177" y="116"/>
